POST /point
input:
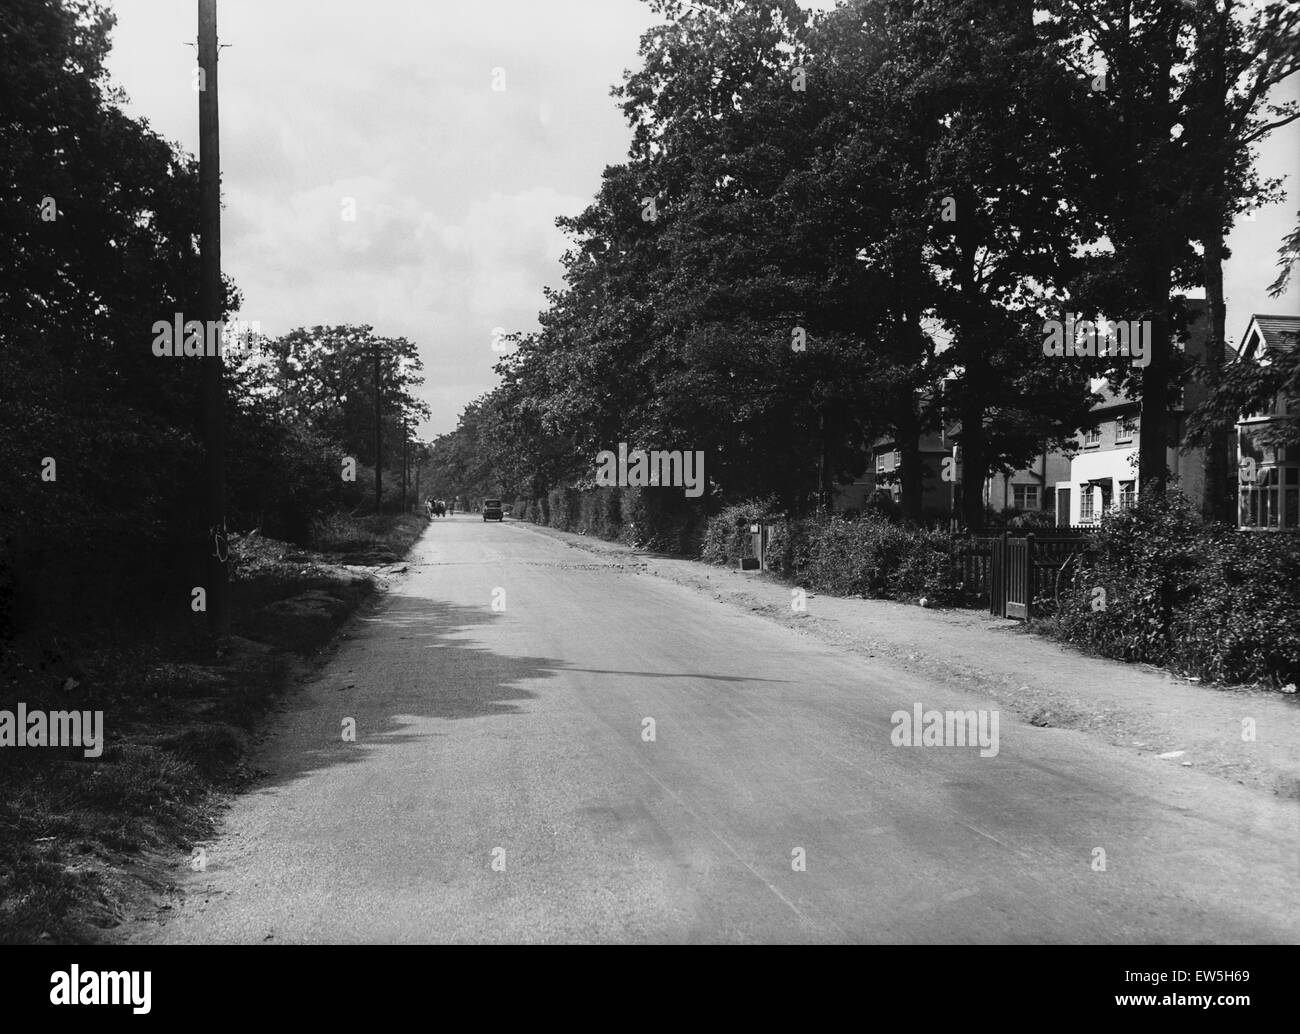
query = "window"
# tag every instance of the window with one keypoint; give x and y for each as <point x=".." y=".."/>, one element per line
<point x="1273" y="501"/>
<point x="880" y="463"/>
<point x="898" y="459"/>
<point x="1086" y="495"/>
<point x="1125" y="428"/>
<point x="1092" y="437"/>
<point x="1269" y="409"/>
<point x="1127" y="494"/>
<point x="1024" y="497"/>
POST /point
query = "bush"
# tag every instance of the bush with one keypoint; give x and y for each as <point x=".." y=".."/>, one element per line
<point x="859" y="558"/>
<point x="600" y="513"/>
<point x="663" y="520"/>
<point x="881" y="504"/>
<point x="789" y="548"/>
<point x="563" y="508"/>
<point x="1207" y="601"/>
<point x="727" y="535"/>
<point x="870" y="556"/>
<point x="1144" y="559"/>
<point x="1029" y="519"/>
<point x="931" y="568"/>
<point x="1241" y="621"/>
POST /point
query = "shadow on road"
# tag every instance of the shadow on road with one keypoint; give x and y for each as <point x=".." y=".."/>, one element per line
<point x="384" y="679"/>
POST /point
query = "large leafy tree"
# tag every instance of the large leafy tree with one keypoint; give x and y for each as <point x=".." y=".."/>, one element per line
<point x="1001" y="234"/>
<point x="97" y="229"/>
<point x="1132" y="177"/>
<point x="1240" y="55"/>
<point x="303" y="402"/>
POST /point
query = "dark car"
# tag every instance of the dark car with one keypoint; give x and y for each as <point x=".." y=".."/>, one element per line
<point x="492" y="510"/>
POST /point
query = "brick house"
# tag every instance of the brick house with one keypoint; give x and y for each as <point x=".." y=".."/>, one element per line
<point x="1270" y="501"/>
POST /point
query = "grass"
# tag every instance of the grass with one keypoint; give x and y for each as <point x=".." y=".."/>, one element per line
<point x="84" y="842"/>
<point x="383" y="536"/>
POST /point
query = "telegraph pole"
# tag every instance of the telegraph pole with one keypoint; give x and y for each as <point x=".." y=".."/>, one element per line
<point x="405" y="454"/>
<point x="379" y="437"/>
<point x="211" y="297"/>
<point x="419" y="453"/>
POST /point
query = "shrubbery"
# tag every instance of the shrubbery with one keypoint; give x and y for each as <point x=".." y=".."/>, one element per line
<point x="867" y="556"/>
<point x="661" y="519"/>
<point x="1204" y="600"/>
<point x="727" y="536"/>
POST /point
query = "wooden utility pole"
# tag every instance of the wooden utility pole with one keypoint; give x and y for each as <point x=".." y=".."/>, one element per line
<point x="418" y="450"/>
<point x="405" y="454"/>
<point x="211" y="298"/>
<point x="379" y="438"/>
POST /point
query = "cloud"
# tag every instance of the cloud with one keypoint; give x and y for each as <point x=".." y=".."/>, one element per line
<point x="456" y="186"/>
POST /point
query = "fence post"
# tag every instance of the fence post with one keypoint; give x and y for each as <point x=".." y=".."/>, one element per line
<point x="1029" y="576"/>
<point x="998" y="581"/>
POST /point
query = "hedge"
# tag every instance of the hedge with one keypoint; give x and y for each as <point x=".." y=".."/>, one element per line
<point x="1203" y="600"/>
<point x="660" y="519"/>
<point x="866" y="556"/>
<point x="727" y="535"/>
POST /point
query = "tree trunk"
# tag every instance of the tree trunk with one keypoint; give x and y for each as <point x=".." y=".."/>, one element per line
<point x="1216" y="504"/>
<point x="911" y="473"/>
<point x="910" y="341"/>
<point x="1157" y="201"/>
<point x="1154" y="437"/>
<point x="974" y="464"/>
<point x="971" y="337"/>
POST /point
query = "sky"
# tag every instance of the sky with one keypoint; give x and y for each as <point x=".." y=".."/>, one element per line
<point x="456" y="185"/>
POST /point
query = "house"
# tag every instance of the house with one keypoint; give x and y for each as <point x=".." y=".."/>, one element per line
<point x="1104" y="462"/>
<point x="939" y="498"/>
<point x="1029" y="490"/>
<point x="1270" y="501"/>
<point x="1103" y="472"/>
<point x="1099" y="472"/>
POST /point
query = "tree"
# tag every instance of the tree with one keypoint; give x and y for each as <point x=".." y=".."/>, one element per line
<point x="1131" y="58"/>
<point x="1238" y="57"/>
<point x="97" y="236"/>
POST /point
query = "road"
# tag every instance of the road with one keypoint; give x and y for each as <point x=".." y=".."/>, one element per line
<point x="503" y="787"/>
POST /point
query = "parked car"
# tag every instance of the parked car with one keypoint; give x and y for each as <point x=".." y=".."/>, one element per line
<point x="492" y="510"/>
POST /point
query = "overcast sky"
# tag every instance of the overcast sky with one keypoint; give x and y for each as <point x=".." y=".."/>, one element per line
<point x="457" y="186"/>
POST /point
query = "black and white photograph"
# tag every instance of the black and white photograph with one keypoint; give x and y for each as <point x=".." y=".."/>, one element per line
<point x="650" y="473"/>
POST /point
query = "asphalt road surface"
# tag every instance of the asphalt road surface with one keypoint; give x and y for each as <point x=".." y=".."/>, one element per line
<point x="503" y="787"/>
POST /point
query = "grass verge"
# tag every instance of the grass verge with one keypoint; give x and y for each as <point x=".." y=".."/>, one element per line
<point x="86" y="841"/>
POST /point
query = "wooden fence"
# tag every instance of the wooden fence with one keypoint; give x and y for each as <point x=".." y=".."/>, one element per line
<point x="1009" y="572"/>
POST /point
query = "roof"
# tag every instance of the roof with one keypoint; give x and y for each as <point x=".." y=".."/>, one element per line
<point x="1277" y="332"/>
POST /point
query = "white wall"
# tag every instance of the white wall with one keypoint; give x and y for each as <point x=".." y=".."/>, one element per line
<point x="1117" y="464"/>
